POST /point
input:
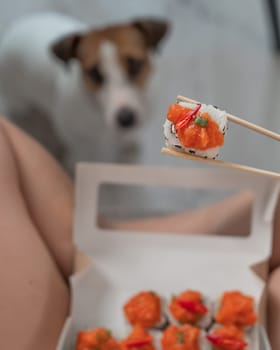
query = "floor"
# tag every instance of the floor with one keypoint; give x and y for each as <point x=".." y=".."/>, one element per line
<point x="218" y="52"/>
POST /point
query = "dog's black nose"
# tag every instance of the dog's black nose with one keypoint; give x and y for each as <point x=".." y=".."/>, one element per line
<point x="126" y="118"/>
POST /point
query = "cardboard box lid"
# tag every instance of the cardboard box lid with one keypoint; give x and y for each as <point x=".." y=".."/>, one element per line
<point x="94" y="241"/>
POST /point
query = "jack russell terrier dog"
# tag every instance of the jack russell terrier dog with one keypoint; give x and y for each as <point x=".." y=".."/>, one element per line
<point x="61" y="67"/>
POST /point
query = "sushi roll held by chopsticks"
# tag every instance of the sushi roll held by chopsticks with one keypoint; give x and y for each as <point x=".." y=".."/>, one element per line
<point x="196" y="131"/>
<point x="195" y="128"/>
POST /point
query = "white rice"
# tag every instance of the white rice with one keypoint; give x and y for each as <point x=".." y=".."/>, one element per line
<point x="206" y="320"/>
<point x="203" y="342"/>
<point x="173" y="142"/>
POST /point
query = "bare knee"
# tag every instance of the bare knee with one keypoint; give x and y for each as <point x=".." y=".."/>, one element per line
<point x="273" y="288"/>
<point x="274" y="308"/>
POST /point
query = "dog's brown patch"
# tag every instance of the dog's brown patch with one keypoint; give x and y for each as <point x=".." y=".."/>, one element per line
<point x="131" y="50"/>
<point x="132" y="41"/>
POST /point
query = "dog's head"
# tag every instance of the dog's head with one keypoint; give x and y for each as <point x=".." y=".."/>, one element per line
<point x="116" y="64"/>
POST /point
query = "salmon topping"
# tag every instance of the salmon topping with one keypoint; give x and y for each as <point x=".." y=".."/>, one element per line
<point x="97" y="339"/>
<point x="184" y="337"/>
<point x="144" y="309"/>
<point x="236" y="309"/>
<point x="139" y="339"/>
<point x="227" y="338"/>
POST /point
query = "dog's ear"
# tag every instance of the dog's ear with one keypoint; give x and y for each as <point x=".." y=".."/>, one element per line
<point x="66" y="47"/>
<point x="152" y="29"/>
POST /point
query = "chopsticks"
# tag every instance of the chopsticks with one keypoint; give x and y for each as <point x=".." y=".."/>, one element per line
<point x="240" y="121"/>
<point x="221" y="163"/>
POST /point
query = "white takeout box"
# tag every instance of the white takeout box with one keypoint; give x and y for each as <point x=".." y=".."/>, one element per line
<point x="123" y="263"/>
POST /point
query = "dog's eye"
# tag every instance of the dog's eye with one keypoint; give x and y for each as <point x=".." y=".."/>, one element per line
<point x="96" y="75"/>
<point x="134" y="66"/>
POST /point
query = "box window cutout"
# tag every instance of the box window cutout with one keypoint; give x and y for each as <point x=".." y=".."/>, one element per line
<point x="174" y="210"/>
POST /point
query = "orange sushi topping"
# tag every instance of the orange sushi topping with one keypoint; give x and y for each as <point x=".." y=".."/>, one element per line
<point x="192" y="135"/>
<point x="139" y="339"/>
<point x="237" y="309"/>
<point x="184" y="337"/>
<point x="143" y="309"/>
<point x="98" y="338"/>
<point x="231" y="330"/>
<point x="227" y="338"/>
<point x="187" y="307"/>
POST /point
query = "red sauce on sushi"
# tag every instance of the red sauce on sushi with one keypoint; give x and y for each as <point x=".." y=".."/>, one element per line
<point x="227" y="338"/>
<point x="193" y="135"/>
<point x="176" y="112"/>
<point x="184" y="337"/>
<point x="237" y="309"/>
<point x="98" y="338"/>
<point x="139" y="339"/>
<point x="144" y="309"/>
<point x="187" y="307"/>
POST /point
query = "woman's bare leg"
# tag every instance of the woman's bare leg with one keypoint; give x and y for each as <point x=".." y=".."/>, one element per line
<point x="274" y="286"/>
<point x="35" y="243"/>
<point x="48" y="193"/>
<point x="231" y="216"/>
<point x="274" y="309"/>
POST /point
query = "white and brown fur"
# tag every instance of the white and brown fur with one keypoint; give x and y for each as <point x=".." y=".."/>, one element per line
<point x="74" y="74"/>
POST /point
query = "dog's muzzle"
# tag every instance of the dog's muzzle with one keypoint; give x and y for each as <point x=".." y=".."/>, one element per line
<point x="126" y="118"/>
